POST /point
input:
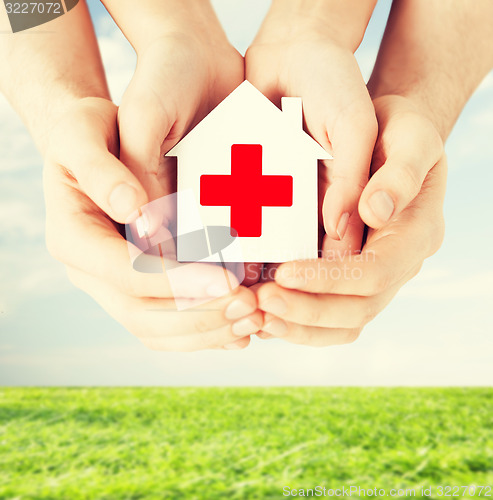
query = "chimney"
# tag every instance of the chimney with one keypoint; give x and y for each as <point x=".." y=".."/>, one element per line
<point x="293" y="109"/>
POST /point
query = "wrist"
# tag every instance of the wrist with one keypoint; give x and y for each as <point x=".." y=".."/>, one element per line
<point x="41" y="121"/>
<point x="344" y="23"/>
<point x="194" y="20"/>
<point x="419" y="97"/>
<point x="81" y="114"/>
<point x="435" y="56"/>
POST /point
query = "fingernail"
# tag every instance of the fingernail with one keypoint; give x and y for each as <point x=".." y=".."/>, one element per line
<point x="342" y="226"/>
<point x="276" y="327"/>
<point x="238" y="309"/>
<point x="217" y="290"/>
<point x="232" y="346"/>
<point x="381" y="205"/>
<point x="123" y="200"/>
<point x="143" y="225"/>
<point x="274" y="305"/>
<point x="244" y="326"/>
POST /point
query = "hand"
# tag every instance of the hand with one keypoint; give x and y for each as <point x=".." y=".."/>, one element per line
<point x="183" y="72"/>
<point x="81" y="166"/>
<point x="329" y="300"/>
<point x="296" y="54"/>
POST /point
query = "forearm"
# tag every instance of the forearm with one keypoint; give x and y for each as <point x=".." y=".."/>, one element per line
<point x="194" y="18"/>
<point x="435" y="52"/>
<point x="343" y="21"/>
<point x="48" y="68"/>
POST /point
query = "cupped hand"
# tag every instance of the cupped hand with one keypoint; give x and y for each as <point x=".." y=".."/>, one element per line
<point x="179" y="78"/>
<point x="294" y="54"/>
<point x="81" y="174"/>
<point x="329" y="300"/>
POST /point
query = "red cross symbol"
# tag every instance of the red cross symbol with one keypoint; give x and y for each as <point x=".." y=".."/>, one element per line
<point x="246" y="190"/>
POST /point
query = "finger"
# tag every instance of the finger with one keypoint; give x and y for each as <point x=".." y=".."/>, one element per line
<point x="322" y="310"/>
<point x="104" y="178"/>
<point x="351" y="242"/>
<point x="158" y="318"/>
<point x="92" y="244"/>
<point x="308" y="335"/>
<point x="217" y="338"/>
<point x="107" y="181"/>
<point x="220" y="338"/>
<point x="409" y="147"/>
<point x="380" y="265"/>
<point x="353" y="138"/>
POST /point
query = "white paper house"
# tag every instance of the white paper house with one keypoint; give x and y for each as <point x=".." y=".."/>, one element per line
<point x="251" y="165"/>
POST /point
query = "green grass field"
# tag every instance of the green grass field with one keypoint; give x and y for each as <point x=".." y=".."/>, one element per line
<point x="187" y="443"/>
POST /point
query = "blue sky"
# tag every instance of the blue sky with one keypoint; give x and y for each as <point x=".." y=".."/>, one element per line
<point x="437" y="331"/>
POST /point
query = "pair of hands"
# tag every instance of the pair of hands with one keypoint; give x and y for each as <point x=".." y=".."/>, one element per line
<point x="102" y="163"/>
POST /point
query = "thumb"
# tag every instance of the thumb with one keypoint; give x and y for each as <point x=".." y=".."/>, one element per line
<point x="109" y="183"/>
<point x="391" y="189"/>
<point x="83" y="146"/>
<point x="413" y="152"/>
<point x="352" y="138"/>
